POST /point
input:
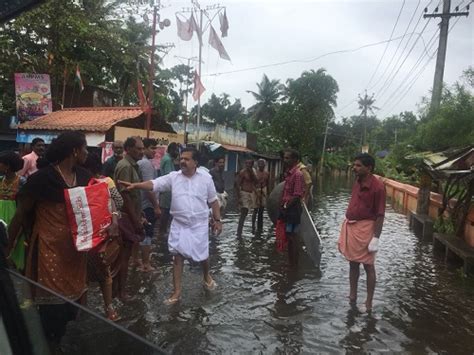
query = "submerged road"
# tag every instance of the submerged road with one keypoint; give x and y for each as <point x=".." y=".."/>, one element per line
<point x="261" y="305"/>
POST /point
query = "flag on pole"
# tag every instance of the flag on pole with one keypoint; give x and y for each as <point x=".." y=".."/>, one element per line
<point x="141" y="97"/>
<point x="187" y="28"/>
<point x="224" y="23"/>
<point x="185" y="32"/>
<point x="216" y="43"/>
<point x="79" y="79"/>
<point x="198" y="87"/>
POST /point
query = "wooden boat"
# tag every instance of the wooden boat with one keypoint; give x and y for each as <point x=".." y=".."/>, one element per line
<point x="307" y="230"/>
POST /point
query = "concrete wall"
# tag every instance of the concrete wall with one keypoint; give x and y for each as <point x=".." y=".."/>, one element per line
<point x="404" y="199"/>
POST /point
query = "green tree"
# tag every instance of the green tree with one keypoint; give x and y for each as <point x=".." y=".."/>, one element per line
<point x="300" y="121"/>
<point x="452" y="125"/>
<point x="267" y="97"/>
<point x="220" y="110"/>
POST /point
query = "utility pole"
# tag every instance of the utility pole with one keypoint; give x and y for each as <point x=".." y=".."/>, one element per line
<point x="441" y="56"/>
<point x="365" y="104"/>
<point x="202" y="28"/>
<point x="321" y="162"/>
<point x="189" y="59"/>
<point x="151" y="68"/>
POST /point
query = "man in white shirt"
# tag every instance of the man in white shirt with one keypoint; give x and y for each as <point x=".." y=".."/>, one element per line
<point x="193" y="192"/>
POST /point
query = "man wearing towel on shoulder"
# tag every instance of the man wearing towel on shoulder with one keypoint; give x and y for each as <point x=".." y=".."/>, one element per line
<point x="192" y="193"/>
<point x="361" y="228"/>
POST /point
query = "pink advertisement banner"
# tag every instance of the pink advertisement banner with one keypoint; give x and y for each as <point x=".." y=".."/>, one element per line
<point x="33" y="96"/>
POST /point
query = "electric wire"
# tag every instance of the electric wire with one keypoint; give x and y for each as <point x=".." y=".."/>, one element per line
<point x="388" y="43"/>
<point x="401" y="54"/>
<point x="423" y="69"/>
<point x="304" y="60"/>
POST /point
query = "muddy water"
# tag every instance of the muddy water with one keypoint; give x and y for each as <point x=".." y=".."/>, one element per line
<point x="261" y="305"/>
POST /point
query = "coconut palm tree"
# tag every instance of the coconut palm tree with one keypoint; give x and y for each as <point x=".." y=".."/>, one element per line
<point x="267" y="97"/>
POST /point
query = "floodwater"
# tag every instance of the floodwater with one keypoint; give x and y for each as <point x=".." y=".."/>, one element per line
<point x="261" y="305"/>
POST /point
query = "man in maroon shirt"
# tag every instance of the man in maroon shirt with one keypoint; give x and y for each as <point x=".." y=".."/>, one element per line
<point x="293" y="192"/>
<point x="361" y="229"/>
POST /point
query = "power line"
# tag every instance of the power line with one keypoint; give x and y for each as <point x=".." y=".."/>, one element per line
<point x="345" y="106"/>
<point x="396" y="51"/>
<point x="421" y="71"/>
<point x="306" y="60"/>
<point x="431" y="43"/>
<point x="388" y="43"/>
<point x="388" y="82"/>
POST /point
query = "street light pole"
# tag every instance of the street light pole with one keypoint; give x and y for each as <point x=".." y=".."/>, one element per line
<point x="151" y="74"/>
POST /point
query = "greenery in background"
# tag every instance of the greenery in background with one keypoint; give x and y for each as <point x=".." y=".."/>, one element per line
<point x="107" y="39"/>
<point x="444" y="225"/>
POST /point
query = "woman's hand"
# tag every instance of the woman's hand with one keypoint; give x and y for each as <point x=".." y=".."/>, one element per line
<point x="113" y="230"/>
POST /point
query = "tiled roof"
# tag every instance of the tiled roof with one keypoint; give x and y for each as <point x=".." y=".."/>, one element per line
<point x="91" y="119"/>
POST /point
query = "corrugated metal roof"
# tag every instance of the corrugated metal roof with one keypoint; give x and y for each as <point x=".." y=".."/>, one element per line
<point x="91" y="119"/>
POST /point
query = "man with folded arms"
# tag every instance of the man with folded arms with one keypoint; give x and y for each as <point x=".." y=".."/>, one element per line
<point x="361" y="228"/>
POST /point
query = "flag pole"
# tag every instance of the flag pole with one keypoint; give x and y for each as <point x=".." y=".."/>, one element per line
<point x="64" y="87"/>
<point x="151" y="71"/>
<point x="199" y="72"/>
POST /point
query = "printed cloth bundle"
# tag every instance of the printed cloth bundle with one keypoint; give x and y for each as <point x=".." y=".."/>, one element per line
<point x="89" y="213"/>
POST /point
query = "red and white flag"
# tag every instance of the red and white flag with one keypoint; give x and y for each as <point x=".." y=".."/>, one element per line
<point x="224" y="23"/>
<point x="198" y="87"/>
<point x="216" y="43"/>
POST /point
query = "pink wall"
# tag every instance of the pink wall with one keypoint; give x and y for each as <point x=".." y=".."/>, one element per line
<point x="404" y="199"/>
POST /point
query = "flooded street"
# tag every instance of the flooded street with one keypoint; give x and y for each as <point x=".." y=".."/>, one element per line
<point x="261" y="305"/>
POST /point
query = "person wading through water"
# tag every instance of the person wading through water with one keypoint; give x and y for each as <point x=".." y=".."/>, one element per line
<point x="245" y="192"/>
<point x="361" y="229"/>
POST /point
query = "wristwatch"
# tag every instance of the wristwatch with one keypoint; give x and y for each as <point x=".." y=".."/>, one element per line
<point x="217" y="220"/>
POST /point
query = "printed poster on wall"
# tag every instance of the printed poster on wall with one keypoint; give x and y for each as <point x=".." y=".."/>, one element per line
<point x="33" y="96"/>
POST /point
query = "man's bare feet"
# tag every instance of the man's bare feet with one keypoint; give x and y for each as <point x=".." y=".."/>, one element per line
<point x="174" y="298"/>
<point x="366" y="307"/>
<point x="352" y="300"/>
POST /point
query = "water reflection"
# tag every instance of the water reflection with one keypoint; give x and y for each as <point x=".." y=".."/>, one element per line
<point x="262" y="305"/>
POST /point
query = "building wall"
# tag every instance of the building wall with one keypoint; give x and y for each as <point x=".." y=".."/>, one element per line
<point x="404" y="198"/>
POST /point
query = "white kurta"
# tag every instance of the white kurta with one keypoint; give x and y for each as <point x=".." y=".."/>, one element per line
<point x="190" y="196"/>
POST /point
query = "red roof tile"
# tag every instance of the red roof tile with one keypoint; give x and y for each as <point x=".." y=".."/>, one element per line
<point x="91" y="119"/>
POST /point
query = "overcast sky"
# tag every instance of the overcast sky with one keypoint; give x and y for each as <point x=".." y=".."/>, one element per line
<point x="266" y="32"/>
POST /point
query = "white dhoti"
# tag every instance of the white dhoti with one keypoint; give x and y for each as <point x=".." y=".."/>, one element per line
<point x="190" y="241"/>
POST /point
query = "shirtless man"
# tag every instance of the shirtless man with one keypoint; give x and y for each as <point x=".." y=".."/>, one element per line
<point x="245" y="191"/>
<point x="260" y="195"/>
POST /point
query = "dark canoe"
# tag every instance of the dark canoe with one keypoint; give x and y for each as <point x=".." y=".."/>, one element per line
<point x="307" y="230"/>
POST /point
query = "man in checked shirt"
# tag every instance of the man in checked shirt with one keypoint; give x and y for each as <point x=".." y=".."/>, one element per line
<point x="291" y="207"/>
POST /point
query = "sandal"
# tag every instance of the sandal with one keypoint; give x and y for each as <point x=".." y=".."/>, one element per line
<point x="170" y="301"/>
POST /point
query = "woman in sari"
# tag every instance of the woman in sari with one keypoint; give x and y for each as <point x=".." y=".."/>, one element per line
<point x="53" y="260"/>
<point x="10" y="184"/>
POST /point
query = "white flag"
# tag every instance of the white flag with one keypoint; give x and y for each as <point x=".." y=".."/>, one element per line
<point x="224" y="23"/>
<point x="216" y="43"/>
<point x="198" y="87"/>
<point x="185" y="32"/>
